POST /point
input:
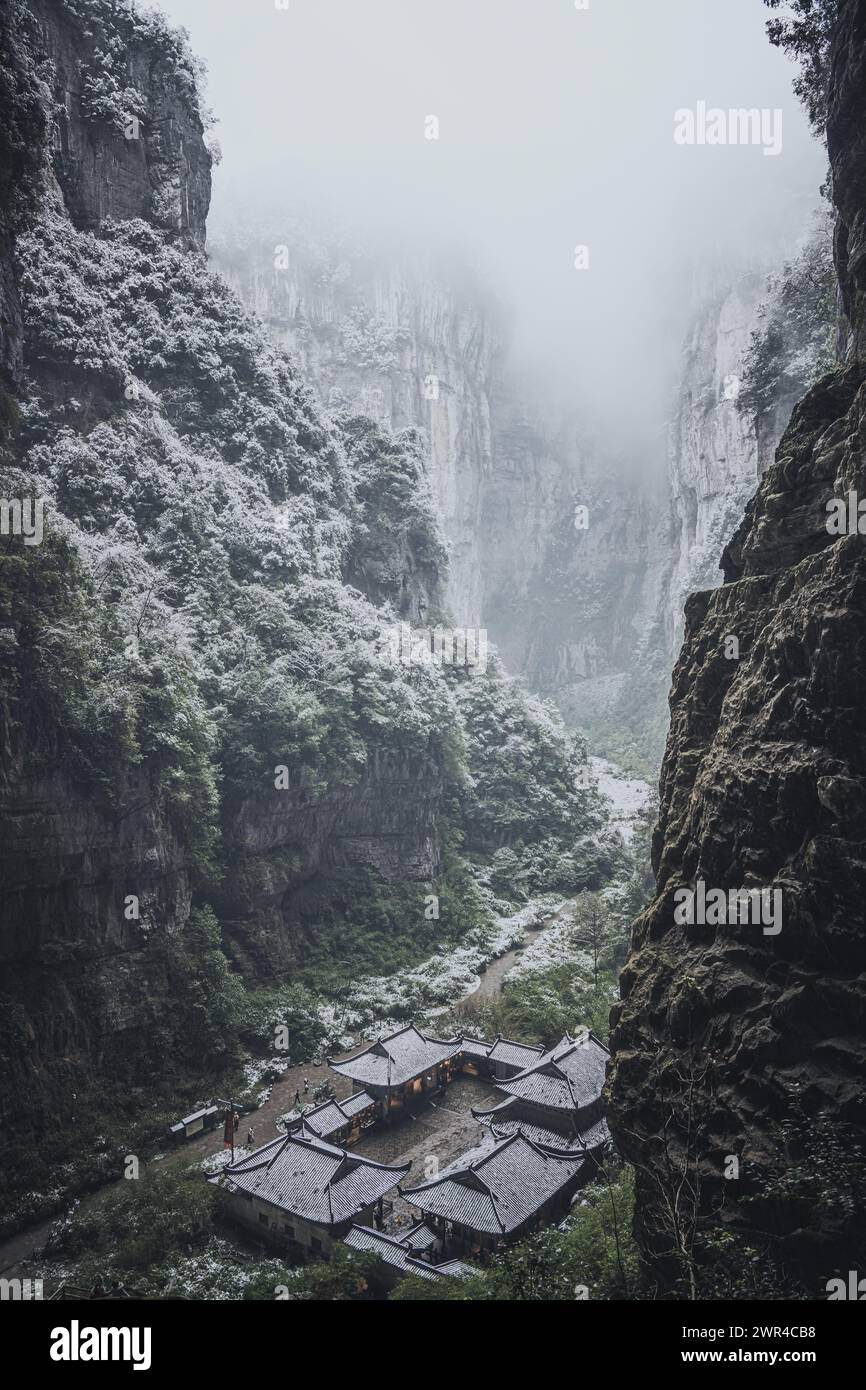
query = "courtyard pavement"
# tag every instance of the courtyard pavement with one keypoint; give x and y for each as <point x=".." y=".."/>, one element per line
<point x="438" y="1132"/>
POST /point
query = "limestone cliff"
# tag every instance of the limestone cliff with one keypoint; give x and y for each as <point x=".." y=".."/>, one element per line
<point x="195" y="617"/>
<point x="401" y="340"/>
<point x="713" y="449"/>
<point x="590" y="615"/>
<point x="736" y="1042"/>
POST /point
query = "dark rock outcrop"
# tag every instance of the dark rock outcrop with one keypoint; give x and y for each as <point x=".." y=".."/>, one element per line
<point x="726" y="1033"/>
<point x="128" y="137"/>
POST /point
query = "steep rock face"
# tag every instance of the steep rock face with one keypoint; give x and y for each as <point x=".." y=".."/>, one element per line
<point x="575" y="552"/>
<point x="128" y="135"/>
<point x="293" y="852"/>
<point x="82" y="993"/>
<point x="725" y="1032"/>
<point x="399" y="343"/>
<point x="123" y="380"/>
<point x="716" y="452"/>
<point x="591" y="617"/>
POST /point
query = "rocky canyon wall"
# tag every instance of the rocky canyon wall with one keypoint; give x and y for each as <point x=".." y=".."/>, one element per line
<point x="742" y="1040"/>
<point x="385" y="336"/>
<point x="163" y="659"/>
<point x="590" y="614"/>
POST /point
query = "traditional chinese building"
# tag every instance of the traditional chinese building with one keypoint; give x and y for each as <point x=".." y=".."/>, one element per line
<point x="557" y="1102"/>
<point x="498" y="1060"/>
<point x="400" y="1066"/>
<point x="497" y="1194"/>
<point x="341" y="1122"/>
<point x="412" y="1253"/>
<point x="302" y="1194"/>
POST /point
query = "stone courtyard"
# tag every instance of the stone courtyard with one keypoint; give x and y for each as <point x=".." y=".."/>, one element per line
<point x="431" y="1135"/>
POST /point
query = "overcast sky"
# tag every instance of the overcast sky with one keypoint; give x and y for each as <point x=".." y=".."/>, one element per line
<point x="556" y="129"/>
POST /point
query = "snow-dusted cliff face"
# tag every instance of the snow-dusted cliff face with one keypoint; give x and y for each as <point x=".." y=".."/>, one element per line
<point x="732" y="1039"/>
<point x="752" y="353"/>
<point x="395" y="341"/>
<point x="715" y="460"/>
<point x="426" y="345"/>
<point x="588" y="608"/>
<point x="574" y="555"/>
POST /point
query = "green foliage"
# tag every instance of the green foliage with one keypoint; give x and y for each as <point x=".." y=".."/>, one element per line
<point x="804" y="32"/>
<point x="398" y="530"/>
<point x="796" y="342"/>
<point x="523" y="767"/>
<point x="23" y="123"/>
<point x="292" y="1006"/>
<point x="368" y="340"/>
<point x="505" y="869"/>
<point x="347" y="1276"/>
<point x="211" y="997"/>
<point x="65" y="667"/>
<point x="595" y="1253"/>
<point x="380" y="928"/>
<point x="139" y="1223"/>
<point x="542" y="1005"/>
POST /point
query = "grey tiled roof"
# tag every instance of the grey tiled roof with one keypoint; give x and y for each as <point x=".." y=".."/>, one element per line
<point x="390" y="1249"/>
<point x="310" y="1178"/>
<point x="495" y="1188"/>
<point x="396" y="1059"/>
<point x="354" y="1104"/>
<point x="420" y="1237"/>
<point x="400" y="1255"/>
<point x="568" y="1077"/>
<point x="596" y="1135"/>
<point x="515" y="1114"/>
<point x="515" y="1054"/>
<point x="333" y="1115"/>
<point x="458" y="1268"/>
<point x="400" y="1252"/>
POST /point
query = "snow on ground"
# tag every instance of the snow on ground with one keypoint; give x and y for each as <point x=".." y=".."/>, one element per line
<point x="556" y="946"/>
<point x="381" y="1003"/>
<point x="217" y="1274"/>
<point x="628" y="794"/>
<point x="256" y="1070"/>
<point x="215" y="1161"/>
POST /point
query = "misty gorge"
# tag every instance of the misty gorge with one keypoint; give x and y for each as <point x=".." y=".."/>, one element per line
<point x="432" y="767"/>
